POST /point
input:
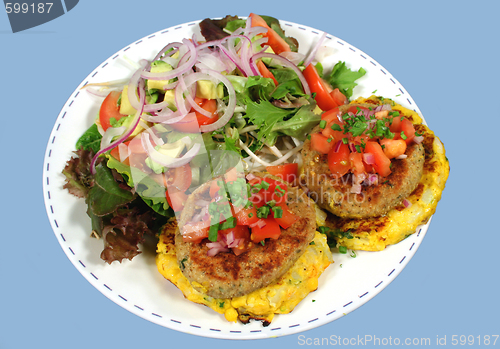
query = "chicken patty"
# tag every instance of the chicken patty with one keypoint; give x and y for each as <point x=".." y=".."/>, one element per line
<point x="227" y="275"/>
<point x="334" y="194"/>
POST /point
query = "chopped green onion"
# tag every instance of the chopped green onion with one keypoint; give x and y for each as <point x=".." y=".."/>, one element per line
<point x="322" y="124"/>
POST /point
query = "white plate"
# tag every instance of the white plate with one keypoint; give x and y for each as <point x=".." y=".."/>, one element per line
<point x="137" y="286"/>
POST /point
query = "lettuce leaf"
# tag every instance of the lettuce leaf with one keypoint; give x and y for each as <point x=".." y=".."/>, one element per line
<point x="344" y="78"/>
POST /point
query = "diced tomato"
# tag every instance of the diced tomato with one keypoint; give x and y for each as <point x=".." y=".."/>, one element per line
<point x="287" y="172"/>
<point x="338" y="97"/>
<point x="320" y="143"/>
<point x="337" y="135"/>
<point x="110" y="110"/>
<point x="276" y="42"/>
<point x="176" y="199"/>
<point x="408" y="129"/>
<point x="357" y="165"/>
<point x="192" y="122"/>
<point x="382" y="162"/>
<point x="265" y="72"/>
<point x="393" y="147"/>
<point x="246" y="216"/>
<point x="271" y="230"/>
<point x="395" y="126"/>
<point x="338" y="162"/>
<point x="272" y="193"/>
<point x="287" y="218"/>
<point x="179" y="177"/>
<point x="320" y="87"/>
<point x="195" y="232"/>
<point x="330" y="115"/>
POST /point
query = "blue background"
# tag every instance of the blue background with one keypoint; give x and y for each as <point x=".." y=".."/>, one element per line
<point x="444" y="53"/>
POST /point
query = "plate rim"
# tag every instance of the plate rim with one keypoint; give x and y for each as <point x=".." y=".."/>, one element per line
<point x="176" y="325"/>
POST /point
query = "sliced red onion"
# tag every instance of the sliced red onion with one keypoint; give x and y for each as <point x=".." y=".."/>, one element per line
<point x="174" y="45"/>
<point x="285" y="62"/>
<point x="418" y="139"/>
<point x="111" y="133"/>
<point x="372" y="179"/>
<point x="184" y="84"/>
<point x="120" y="140"/>
<point x="401" y="157"/>
<point x="294" y="57"/>
<point x="181" y="69"/>
<point x="133" y="87"/>
<point x="369" y="158"/>
<point x="166" y="160"/>
<point x="312" y="54"/>
<point x="406" y="203"/>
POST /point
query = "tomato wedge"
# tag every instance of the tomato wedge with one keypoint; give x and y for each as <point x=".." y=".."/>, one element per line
<point x="179" y="178"/>
<point x="176" y="199"/>
<point x="320" y="88"/>
<point x="110" y="110"/>
<point x="276" y="42"/>
<point x="265" y="72"/>
<point x="287" y="172"/>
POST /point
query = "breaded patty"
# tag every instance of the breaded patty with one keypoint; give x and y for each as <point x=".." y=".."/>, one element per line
<point x="375" y="234"/>
<point x="333" y="194"/>
<point x="226" y="275"/>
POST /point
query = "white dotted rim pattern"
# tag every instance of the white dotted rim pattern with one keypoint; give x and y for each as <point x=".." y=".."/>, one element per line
<point x="137" y="286"/>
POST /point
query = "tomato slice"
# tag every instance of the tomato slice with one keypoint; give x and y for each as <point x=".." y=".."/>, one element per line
<point x="265" y="72"/>
<point x="382" y="162"/>
<point x="320" y="88"/>
<point x="179" y="178"/>
<point x="287" y="172"/>
<point x="338" y="162"/>
<point x="110" y="110"/>
<point x="271" y="230"/>
<point x="321" y="144"/>
<point x="276" y="42"/>
<point x="176" y="199"/>
<point x="195" y="232"/>
<point x="192" y="122"/>
<point x="287" y="218"/>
